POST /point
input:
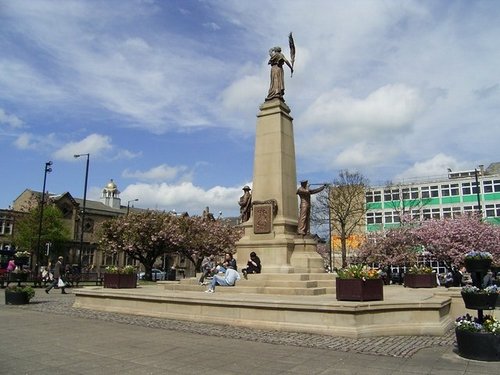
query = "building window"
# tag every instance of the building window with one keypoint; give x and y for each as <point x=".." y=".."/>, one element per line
<point x="415" y="215"/>
<point x="110" y="260"/>
<point x="430" y="191"/>
<point x="5" y="226"/>
<point x="391" y="217"/>
<point x="88" y="257"/>
<point x="490" y="186"/>
<point x="449" y="190"/>
<point x="469" y="188"/>
<point x="391" y="195"/>
<point x="373" y="196"/>
<point x="374" y="218"/>
<point x="492" y="210"/>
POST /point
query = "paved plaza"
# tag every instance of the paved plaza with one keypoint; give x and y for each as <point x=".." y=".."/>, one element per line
<point x="49" y="336"/>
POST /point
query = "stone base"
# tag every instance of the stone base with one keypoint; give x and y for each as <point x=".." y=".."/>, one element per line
<point x="401" y="313"/>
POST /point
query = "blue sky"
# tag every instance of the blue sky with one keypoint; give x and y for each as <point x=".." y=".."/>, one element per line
<point x="164" y="94"/>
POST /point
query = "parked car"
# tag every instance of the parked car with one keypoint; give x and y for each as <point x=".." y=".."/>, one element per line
<point x="156" y="275"/>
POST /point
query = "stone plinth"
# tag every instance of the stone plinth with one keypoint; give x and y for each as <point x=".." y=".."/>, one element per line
<point x="273" y="237"/>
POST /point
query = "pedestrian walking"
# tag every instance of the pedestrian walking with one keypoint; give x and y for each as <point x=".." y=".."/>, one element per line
<point x="58" y="281"/>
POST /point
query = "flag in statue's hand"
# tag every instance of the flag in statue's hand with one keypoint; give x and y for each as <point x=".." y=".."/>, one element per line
<point x="292" y="49"/>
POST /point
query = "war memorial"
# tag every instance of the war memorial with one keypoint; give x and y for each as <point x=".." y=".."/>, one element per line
<point x="293" y="292"/>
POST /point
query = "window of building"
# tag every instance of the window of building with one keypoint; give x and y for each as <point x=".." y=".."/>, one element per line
<point x="374" y="218"/>
<point x="449" y="190"/>
<point x="490" y="186"/>
<point x="373" y="196"/>
<point x="110" y="260"/>
<point x="492" y="210"/>
<point x="391" y="217"/>
<point x="469" y="188"/>
<point x="415" y="214"/>
<point x="391" y="195"/>
<point x="5" y="226"/>
<point x="430" y="191"/>
<point x="431" y="213"/>
<point x="410" y="193"/>
<point x="88" y="256"/>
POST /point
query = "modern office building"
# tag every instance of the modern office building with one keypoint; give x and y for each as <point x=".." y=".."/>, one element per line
<point x="456" y="193"/>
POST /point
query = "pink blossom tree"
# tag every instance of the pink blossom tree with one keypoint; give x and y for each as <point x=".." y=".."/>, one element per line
<point x="148" y="235"/>
<point x="450" y="239"/>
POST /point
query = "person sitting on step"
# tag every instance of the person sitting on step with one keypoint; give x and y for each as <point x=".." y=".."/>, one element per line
<point x="253" y="265"/>
<point x="229" y="279"/>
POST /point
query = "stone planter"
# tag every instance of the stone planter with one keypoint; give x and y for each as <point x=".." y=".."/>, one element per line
<point x="16" y="298"/>
<point x="119" y="281"/>
<point x="413" y="280"/>
<point x="477" y="265"/>
<point x="480" y="301"/>
<point x="480" y="346"/>
<point x="359" y="290"/>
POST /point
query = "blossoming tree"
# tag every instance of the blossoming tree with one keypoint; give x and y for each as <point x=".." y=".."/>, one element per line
<point x="148" y="235"/>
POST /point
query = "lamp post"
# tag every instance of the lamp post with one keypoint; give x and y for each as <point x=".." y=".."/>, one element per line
<point x="84" y="204"/>
<point x="478" y="192"/>
<point x="128" y="204"/>
<point x="48" y="169"/>
<point x="330" y="259"/>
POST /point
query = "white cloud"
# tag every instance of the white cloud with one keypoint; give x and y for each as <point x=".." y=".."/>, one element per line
<point x="30" y="141"/>
<point x="10" y="120"/>
<point x="94" y="144"/>
<point x="160" y="173"/>
<point x="184" y="197"/>
<point x="435" y="166"/>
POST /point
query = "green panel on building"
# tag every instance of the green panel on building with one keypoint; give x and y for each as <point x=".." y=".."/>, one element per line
<point x="491" y="197"/>
<point x="469" y="198"/>
<point x="448" y="200"/>
<point x="373" y="227"/>
<point x="374" y="206"/>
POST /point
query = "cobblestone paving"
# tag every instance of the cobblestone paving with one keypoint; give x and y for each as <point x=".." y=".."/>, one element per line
<point x="394" y="346"/>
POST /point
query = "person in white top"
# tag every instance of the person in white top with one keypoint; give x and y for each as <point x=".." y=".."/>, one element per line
<point x="229" y="279"/>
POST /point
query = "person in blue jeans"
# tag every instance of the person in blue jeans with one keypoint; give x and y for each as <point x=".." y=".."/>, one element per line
<point x="229" y="279"/>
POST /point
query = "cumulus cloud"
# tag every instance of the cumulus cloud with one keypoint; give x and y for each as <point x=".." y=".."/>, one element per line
<point x="162" y="172"/>
<point x="185" y="197"/>
<point x="435" y="166"/>
<point x="10" y="120"/>
<point x="94" y="144"/>
<point x="30" y="141"/>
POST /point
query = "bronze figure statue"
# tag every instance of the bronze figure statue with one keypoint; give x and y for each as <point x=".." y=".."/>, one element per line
<point x="245" y="204"/>
<point x="305" y="192"/>
<point x="276" y="60"/>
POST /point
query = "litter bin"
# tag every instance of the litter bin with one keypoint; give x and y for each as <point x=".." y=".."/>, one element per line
<point x="171" y="276"/>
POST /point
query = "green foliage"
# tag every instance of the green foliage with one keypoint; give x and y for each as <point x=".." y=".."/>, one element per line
<point x="23" y="288"/>
<point x="53" y="229"/>
<point x="357" y="271"/>
<point x="127" y="270"/>
<point x="419" y="270"/>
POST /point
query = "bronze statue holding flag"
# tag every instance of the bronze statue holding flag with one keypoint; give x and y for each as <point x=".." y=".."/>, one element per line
<point x="276" y="60"/>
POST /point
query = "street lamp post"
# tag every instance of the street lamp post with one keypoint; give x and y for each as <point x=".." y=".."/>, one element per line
<point x="48" y="169"/>
<point x="330" y="259"/>
<point x="128" y="204"/>
<point x="478" y="192"/>
<point x="84" y="204"/>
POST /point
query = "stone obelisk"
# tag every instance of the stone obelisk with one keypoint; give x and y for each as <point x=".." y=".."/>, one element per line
<point x="271" y="230"/>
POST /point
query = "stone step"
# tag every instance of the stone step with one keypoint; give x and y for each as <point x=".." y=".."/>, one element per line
<point x="254" y="290"/>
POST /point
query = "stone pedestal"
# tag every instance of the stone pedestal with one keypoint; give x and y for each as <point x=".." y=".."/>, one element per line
<point x="271" y="230"/>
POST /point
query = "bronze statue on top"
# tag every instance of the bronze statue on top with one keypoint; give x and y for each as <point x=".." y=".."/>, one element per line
<point x="276" y="60"/>
<point x="245" y="204"/>
<point x="305" y="192"/>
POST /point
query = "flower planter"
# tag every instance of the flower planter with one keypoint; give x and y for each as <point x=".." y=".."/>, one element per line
<point x="16" y="298"/>
<point x="413" y="280"/>
<point x="477" y="265"/>
<point x="359" y="289"/>
<point x="119" y="281"/>
<point x="480" y="346"/>
<point x="480" y="301"/>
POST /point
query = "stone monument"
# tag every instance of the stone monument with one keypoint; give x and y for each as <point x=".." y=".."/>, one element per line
<point x="271" y="230"/>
